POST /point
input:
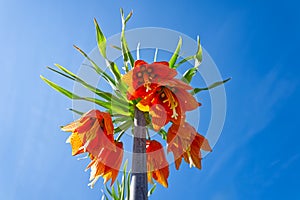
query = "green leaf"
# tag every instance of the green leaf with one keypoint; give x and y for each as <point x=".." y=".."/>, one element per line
<point x="198" y="56"/>
<point x="101" y="40"/>
<point x="116" y="47"/>
<point x="175" y="54"/>
<point x="122" y="196"/>
<point x="163" y="134"/>
<point x="150" y="192"/>
<point x="102" y="73"/>
<point x="184" y="60"/>
<point x="128" y="184"/>
<point x="190" y="73"/>
<point x="108" y="190"/>
<point x="60" y="89"/>
<point x="71" y="95"/>
<point x="196" y="90"/>
<point x="114" y="194"/>
<point x="127" y="57"/>
<point x="114" y="69"/>
<point x="76" y="111"/>
<point x="72" y="76"/>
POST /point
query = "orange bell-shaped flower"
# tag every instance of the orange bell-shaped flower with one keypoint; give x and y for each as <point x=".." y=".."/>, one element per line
<point x="184" y="142"/>
<point x="106" y="164"/>
<point x="157" y="164"/>
<point x="92" y="132"/>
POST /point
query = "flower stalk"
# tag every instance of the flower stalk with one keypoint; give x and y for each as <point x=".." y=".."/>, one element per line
<point x="139" y="183"/>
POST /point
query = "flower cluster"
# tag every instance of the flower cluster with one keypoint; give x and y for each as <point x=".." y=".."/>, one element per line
<point x="166" y="99"/>
<point x="93" y="134"/>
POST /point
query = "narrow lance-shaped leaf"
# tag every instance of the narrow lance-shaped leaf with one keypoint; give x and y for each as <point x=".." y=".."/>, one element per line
<point x="184" y="60"/>
<point x="127" y="57"/>
<point x="163" y="134"/>
<point x="216" y="84"/>
<point x="190" y="73"/>
<point x="102" y="73"/>
<point x="198" y="56"/>
<point x="71" y="95"/>
<point x="60" y="89"/>
<point x="115" y="101"/>
<point x="128" y="184"/>
<point x="76" y="111"/>
<point x="116" y="47"/>
<point x="101" y="41"/>
<point x="150" y="192"/>
<point x="114" y="194"/>
<point x="123" y="188"/>
<point x="175" y="55"/>
<point x="74" y="77"/>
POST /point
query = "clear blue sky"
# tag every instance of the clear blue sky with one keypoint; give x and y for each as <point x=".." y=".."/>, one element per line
<point x="255" y="42"/>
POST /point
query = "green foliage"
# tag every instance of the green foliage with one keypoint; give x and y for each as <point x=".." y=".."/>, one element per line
<point x="216" y="84"/>
<point x="127" y="57"/>
<point x="122" y="191"/>
<point x="175" y="55"/>
<point x="190" y="73"/>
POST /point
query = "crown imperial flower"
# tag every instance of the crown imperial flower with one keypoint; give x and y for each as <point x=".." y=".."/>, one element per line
<point x="157" y="164"/>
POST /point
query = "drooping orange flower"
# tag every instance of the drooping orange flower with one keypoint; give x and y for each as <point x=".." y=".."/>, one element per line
<point x="106" y="164"/>
<point x="144" y="77"/>
<point x="157" y="164"/>
<point x="184" y="142"/>
<point x="92" y="132"/>
<point x="168" y="102"/>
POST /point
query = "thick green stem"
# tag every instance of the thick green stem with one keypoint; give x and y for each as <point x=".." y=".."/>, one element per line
<point x="139" y="183"/>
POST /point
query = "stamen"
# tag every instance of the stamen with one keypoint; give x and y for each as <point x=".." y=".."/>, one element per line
<point x="172" y="102"/>
<point x="192" y="164"/>
<point x="147" y="86"/>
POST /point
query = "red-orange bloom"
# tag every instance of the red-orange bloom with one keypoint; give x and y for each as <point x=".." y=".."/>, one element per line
<point x="157" y="164"/>
<point x="106" y="164"/>
<point x="92" y="132"/>
<point x="168" y="102"/>
<point x="185" y="142"/>
<point x="144" y="77"/>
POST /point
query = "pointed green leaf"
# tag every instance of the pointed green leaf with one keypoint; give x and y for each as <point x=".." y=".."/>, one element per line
<point x="189" y="74"/>
<point x="109" y="79"/>
<point x="60" y="73"/>
<point x="122" y="196"/>
<point x="175" y="54"/>
<point x="163" y="134"/>
<point x="114" y="194"/>
<point x="128" y="184"/>
<point x="150" y="192"/>
<point x="108" y="190"/>
<point x="116" y="47"/>
<point x="198" y="56"/>
<point x="196" y="90"/>
<point x="76" y="111"/>
<point x="127" y="57"/>
<point x="184" y="60"/>
<point x="60" y="89"/>
<point x="106" y="95"/>
<point x="101" y="40"/>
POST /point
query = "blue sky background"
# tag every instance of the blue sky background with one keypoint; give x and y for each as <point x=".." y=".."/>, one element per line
<point x="255" y="42"/>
